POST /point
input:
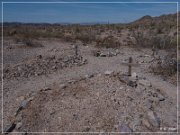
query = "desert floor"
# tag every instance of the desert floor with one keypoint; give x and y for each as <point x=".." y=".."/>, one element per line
<point x="56" y="91"/>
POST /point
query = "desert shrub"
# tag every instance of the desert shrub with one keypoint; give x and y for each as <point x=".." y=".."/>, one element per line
<point x="163" y="42"/>
<point x="31" y="43"/>
<point x="152" y="40"/>
<point x="68" y="38"/>
<point x="85" y="37"/>
<point x="108" y="42"/>
<point x="167" y="66"/>
<point x="141" y="39"/>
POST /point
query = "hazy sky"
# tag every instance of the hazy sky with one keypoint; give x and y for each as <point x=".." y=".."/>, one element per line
<point x="84" y="12"/>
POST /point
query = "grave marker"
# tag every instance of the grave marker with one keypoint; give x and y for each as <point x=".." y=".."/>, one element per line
<point x="130" y="64"/>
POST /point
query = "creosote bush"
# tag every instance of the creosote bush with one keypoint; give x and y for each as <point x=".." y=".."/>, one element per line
<point x="108" y="42"/>
<point x="166" y="66"/>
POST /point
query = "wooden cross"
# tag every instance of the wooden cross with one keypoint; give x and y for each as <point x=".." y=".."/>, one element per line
<point x="130" y="64"/>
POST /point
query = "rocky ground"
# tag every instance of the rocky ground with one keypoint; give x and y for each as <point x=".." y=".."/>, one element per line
<point x="50" y="88"/>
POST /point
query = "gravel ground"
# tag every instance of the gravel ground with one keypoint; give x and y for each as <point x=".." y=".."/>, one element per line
<point x="99" y="103"/>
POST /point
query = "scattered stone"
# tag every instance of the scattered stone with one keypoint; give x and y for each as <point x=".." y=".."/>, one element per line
<point x="84" y="61"/>
<point x="147" y="55"/>
<point x="22" y="106"/>
<point x="21" y="98"/>
<point x="117" y="51"/>
<point x="134" y="76"/>
<point x="19" y="125"/>
<point x="54" y="67"/>
<point x="146" y="123"/>
<point x="132" y="83"/>
<point x="124" y="78"/>
<point x="121" y="88"/>
<point x="103" y="55"/>
<point x="148" y="104"/>
<point x="39" y="56"/>
<point x="71" y="81"/>
<point x="137" y="122"/>
<point x="145" y="83"/>
<point x="125" y="128"/>
<point x="45" y="89"/>
<point x="19" y="69"/>
<point x="161" y="97"/>
<point x="153" y="119"/>
<point x="42" y="66"/>
<point x="108" y="72"/>
<point x="128" y="80"/>
<point x="75" y="116"/>
<point x="63" y="86"/>
<point x="89" y="76"/>
<point x="30" y="98"/>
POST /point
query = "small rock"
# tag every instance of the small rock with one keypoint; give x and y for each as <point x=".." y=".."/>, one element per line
<point x="45" y="89"/>
<point x="63" y="86"/>
<point x="30" y="99"/>
<point x="125" y="128"/>
<point x="39" y="56"/>
<point x="87" y="129"/>
<point x="18" y="125"/>
<point x="136" y="123"/>
<point x="146" y="123"/>
<point x="71" y="81"/>
<point x="19" y="69"/>
<point x="147" y="55"/>
<point x="89" y="76"/>
<point x="148" y="104"/>
<point x="145" y="83"/>
<point x="161" y="97"/>
<point x="54" y="67"/>
<point x="96" y="53"/>
<point x="102" y="55"/>
<point x="132" y="83"/>
<point x="24" y="103"/>
<point x="134" y="76"/>
<point x="36" y="74"/>
<point x="117" y="51"/>
<point x="153" y="119"/>
<point x="75" y="116"/>
<point x="84" y="61"/>
<point x="22" y="106"/>
<point x="21" y="98"/>
<point x="121" y="88"/>
<point x="108" y="72"/>
<point x="97" y="94"/>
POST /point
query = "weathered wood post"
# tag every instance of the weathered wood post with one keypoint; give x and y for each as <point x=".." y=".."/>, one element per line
<point x="130" y="66"/>
<point x="76" y="51"/>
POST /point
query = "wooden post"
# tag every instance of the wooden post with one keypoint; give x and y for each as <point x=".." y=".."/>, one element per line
<point x="130" y="64"/>
<point x="129" y="67"/>
<point x="76" y="50"/>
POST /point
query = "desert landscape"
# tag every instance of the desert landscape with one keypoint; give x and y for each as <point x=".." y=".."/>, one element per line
<point x="85" y="78"/>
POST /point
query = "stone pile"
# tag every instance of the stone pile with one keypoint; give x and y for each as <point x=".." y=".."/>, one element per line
<point x="42" y="66"/>
<point x="105" y="53"/>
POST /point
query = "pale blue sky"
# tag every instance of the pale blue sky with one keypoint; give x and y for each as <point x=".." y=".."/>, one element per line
<point x="84" y="12"/>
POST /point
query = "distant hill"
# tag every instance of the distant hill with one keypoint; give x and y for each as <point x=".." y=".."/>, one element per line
<point x="169" y="19"/>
